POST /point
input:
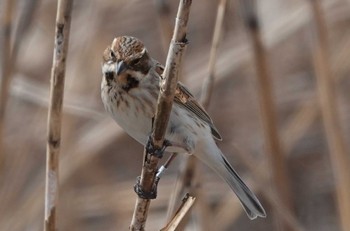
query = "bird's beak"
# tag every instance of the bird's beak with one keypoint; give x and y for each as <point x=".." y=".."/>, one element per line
<point x="121" y="67"/>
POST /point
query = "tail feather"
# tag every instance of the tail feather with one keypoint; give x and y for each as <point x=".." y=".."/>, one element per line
<point x="212" y="156"/>
<point x="250" y="203"/>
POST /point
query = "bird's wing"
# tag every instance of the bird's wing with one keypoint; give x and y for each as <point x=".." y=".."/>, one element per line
<point x="184" y="98"/>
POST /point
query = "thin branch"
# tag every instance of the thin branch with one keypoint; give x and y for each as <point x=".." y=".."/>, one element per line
<point x="187" y="203"/>
<point x="63" y="19"/>
<point x="338" y="152"/>
<point x="184" y="183"/>
<point x="207" y="87"/>
<point x="276" y="158"/>
<point x="187" y="179"/>
<point x="165" y="101"/>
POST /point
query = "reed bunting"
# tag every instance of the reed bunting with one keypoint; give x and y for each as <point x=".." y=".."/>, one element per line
<point x="129" y="89"/>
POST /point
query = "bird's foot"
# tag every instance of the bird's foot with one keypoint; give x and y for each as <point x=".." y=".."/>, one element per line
<point x="146" y="195"/>
<point x="154" y="151"/>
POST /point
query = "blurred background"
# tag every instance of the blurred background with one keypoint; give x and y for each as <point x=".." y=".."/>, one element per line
<point x="99" y="162"/>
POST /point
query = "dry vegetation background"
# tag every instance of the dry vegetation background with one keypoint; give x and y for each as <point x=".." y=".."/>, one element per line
<point x="99" y="162"/>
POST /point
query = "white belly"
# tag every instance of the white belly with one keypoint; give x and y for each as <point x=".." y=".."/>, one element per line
<point x="136" y="119"/>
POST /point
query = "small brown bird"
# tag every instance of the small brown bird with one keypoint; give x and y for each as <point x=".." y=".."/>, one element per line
<point x="129" y="90"/>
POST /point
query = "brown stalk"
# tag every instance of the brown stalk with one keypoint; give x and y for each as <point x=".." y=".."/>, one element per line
<point x="187" y="203"/>
<point x="276" y="158"/>
<point x="338" y="152"/>
<point x="207" y="87"/>
<point x="165" y="100"/>
<point x="6" y="69"/>
<point x="63" y="19"/>
<point x="187" y="179"/>
<point x="185" y="182"/>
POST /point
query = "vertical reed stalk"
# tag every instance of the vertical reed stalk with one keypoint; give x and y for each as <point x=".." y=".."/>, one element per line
<point x="338" y="153"/>
<point x="207" y="87"/>
<point x="63" y="19"/>
<point x="267" y="107"/>
<point x="187" y="178"/>
<point x="164" y="105"/>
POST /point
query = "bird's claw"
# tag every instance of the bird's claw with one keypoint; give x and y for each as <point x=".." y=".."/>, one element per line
<point x="146" y="195"/>
<point x="157" y="152"/>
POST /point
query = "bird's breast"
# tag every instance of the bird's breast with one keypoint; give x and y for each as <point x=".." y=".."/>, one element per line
<point x="133" y="110"/>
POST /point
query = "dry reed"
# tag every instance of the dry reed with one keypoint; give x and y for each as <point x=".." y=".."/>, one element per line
<point x="165" y="100"/>
<point x="327" y="97"/>
<point x="63" y="19"/>
<point x="186" y="205"/>
<point x="277" y="162"/>
<point x="188" y="179"/>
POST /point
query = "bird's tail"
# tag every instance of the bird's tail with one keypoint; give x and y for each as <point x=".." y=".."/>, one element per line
<point x="211" y="155"/>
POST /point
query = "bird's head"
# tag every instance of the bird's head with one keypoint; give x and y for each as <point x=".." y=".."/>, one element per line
<point x="125" y="62"/>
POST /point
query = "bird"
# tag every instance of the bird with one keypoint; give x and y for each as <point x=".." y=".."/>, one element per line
<point x="129" y="90"/>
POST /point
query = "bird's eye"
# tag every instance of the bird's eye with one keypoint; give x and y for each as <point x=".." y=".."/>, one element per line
<point x="134" y="62"/>
<point x="112" y="54"/>
<point x="109" y="75"/>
